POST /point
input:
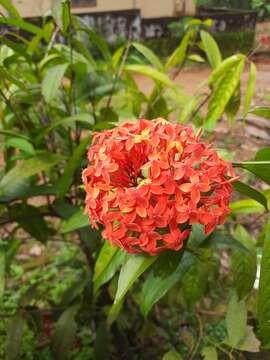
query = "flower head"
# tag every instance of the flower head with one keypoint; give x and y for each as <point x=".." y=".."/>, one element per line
<point x="148" y="182"/>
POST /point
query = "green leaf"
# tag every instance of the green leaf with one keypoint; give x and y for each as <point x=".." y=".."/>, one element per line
<point x="150" y="72"/>
<point x="263" y="305"/>
<point x="14" y="336"/>
<point x="222" y="95"/>
<point x="10" y="8"/>
<point x="16" y="176"/>
<point x="209" y="353"/>
<point x="65" y="332"/>
<point x="111" y="268"/>
<point x="262" y="111"/>
<point x="117" y="56"/>
<point x="7" y="75"/>
<point x="99" y="42"/>
<point x="260" y="166"/>
<point x="61" y="13"/>
<point x="172" y="355"/>
<point x="22" y="144"/>
<point x="250" y="89"/>
<point x="68" y="121"/>
<point x="236" y="320"/>
<point x="23" y="25"/>
<point x="247" y="206"/>
<point x="52" y="81"/>
<point x="211" y="48"/>
<point x="2" y="269"/>
<point x="133" y="268"/>
<point x="13" y="133"/>
<point x="169" y="269"/>
<point x="221" y="71"/>
<point x="244" y="265"/>
<point x="149" y="55"/>
<point x="30" y="219"/>
<point x="249" y="343"/>
<point x="76" y="221"/>
<point x="250" y="192"/>
<point x="178" y="56"/>
<point x="73" y="164"/>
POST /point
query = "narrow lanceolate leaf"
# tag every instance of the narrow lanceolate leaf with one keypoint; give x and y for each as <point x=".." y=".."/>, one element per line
<point x="211" y="48"/>
<point x="10" y="8"/>
<point x="149" y="55"/>
<point x="26" y="169"/>
<point x="75" y="222"/>
<point x="150" y="72"/>
<point x="222" y="95"/>
<point x="109" y="260"/>
<point x="250" y="192"/>
<point x="60" y="13"/>
<point x="244" y="264"/>
<point x="52" y="81"/>
<point x="22" y="144"/>
<point x="65" y="332"/>
<point x="236" y="319"/>
<point x="260" y="166"/>
<point x="223" y="68"/>
<point x="71" y="167"/>
<point x="262" y="111"/>
<point x="133" y="268"/>
<point x="264" y="292"/>
<point x="250" y="87"/>
<point x="2" y="269"/>
<point x="14" y="336"/>
<point x="178" y="56"/>
<point x="169" y="269"/>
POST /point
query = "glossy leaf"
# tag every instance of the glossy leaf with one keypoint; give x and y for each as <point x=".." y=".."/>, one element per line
<point x="52" y="81"/>
<point x="22" y="144"/>
<point x="222" y="95"/>
<point x="236" y="319"/>
<point x="262" y="111"/>
<point x="224" y="67"/>
<point x="74" y="162"/>
<point x="61" y="13"/>
<point x="263" y="307"/>
<point x="211" y="48"/>
<point x="168" y="269"/>
<point x="251" y="85"/>
<point x="65" y="332"/>
<point x="75" y="222"/>
<point x="149" y="55"/>
<point x="247" y="206"/>
<point x="14" y="178"/>
<point x="133" y="268"/>
<point x="178" y="56"/>
<point x="250" y="192"/>
<point x="150" y="72"/>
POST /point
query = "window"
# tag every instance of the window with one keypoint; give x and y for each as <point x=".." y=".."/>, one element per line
<point x="78" y="3"/>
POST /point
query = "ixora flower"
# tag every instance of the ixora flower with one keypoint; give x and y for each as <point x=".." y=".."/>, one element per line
<point x="148" y="182"/>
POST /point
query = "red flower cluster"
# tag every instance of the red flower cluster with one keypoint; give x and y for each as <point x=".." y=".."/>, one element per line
<point x="149" y="181"/>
